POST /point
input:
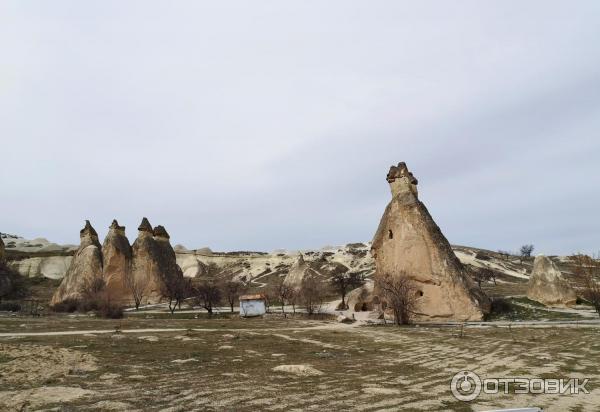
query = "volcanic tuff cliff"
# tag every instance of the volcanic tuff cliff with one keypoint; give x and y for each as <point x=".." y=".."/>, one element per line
<point x="409" y="243"/>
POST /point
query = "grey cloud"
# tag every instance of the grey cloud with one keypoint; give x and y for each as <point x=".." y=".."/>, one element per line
<point x="272" y="125"/>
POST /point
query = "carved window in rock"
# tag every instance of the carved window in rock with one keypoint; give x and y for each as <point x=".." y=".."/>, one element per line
<point x="390" y="234"/>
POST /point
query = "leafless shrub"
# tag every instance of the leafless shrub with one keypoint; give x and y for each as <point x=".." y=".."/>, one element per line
<point x="283" y="293"/>
<point x="481" y="275"/>
<point x="137" y="287"/>
<point x="343" y="282"/>
<point x="311" y="294"/>
<point x="588" y="270"/>
<point x="208" y="295"/>
<point x="175" y="288"/>
<point x="231" y="290"/>
<point x="401" y="294"/>
<point x="526" y="251"/>
<point x="91" y="288"/>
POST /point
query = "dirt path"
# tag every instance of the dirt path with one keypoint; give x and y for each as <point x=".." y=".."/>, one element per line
<point x="325" y="326"/>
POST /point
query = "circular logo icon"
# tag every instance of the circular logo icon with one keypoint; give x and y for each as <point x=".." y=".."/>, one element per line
<point x="466" y="386"/>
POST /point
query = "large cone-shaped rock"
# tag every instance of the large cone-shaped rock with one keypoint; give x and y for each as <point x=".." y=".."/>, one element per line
<point x="85" y="268"/>
<point x="409" y="242"/>
<point x="167" y="261"/>
<point x="146" y="274"/>
<point x="297" y="273"/>
<point x="547" y="285"/>
<point x="116" y="252"/>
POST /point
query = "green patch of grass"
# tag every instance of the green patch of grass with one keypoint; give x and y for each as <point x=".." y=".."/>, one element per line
<point x="526" y="301"/>
<point x="520" y="308"/>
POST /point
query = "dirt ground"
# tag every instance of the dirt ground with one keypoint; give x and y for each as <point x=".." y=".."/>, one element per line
<point x="233" y="364"/>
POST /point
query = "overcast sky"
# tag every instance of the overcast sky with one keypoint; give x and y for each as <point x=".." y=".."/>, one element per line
<point x="271" y="124"/>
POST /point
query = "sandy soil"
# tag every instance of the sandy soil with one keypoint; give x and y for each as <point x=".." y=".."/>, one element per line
<point x="324" y="366"/>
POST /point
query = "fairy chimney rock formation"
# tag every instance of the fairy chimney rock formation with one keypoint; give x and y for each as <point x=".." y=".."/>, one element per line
<point x="117" y="255"/>
<point x="145" y="263"/>
<point x="548" y="286"/>
<point x="409" y="243"/>
<point x="160" y="232"/>
<point x="167" y="260"/>
<point x="297" y="273"/>
<point x="85" y="268"/>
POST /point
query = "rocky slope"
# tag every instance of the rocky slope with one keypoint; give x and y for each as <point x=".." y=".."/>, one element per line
<point x="32" y="258"/>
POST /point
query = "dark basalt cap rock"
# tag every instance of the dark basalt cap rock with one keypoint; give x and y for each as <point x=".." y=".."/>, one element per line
<point x="115" y="225"/>
<point x="88" y="229"/>
<point x="145" y="226"/>
<point x="400" y="171"/>
<point x="160" y="231"/>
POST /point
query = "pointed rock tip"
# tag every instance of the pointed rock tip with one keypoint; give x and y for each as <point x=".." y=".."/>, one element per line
<point x="160" y="231"/>
<point x="88" y="229"/>
<point x="401" y="170"/>
<point x="145" y="226"/>
<point x="115" y="225"/>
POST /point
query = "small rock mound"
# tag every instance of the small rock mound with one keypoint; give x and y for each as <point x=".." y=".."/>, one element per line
<point x="300" y="370"/>
<point x="547" y="285"/>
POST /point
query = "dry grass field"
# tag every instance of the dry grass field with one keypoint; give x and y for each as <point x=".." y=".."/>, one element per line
<point x="230" y="364"/>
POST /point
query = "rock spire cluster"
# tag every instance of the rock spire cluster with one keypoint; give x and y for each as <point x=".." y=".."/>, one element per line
<point x="117" y="265"/>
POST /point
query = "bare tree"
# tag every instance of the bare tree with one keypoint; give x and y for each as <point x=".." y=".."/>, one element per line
<point x="283" y="292"/>
<point x="292" y="298"/>
<point x="311" y="294"/>
<point x="483" y="275"/>
<point x="526" y="251"/>
<point x="91" y="288"/>
<point x="208" y="295"/>
<point x="136" y="287"/>
<point x="588" y="269"/>
<point x="232" y="290"/>
<point x="401" y="294"/>
<point x="175" y="288"/>
<point x="343" y="282"/>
